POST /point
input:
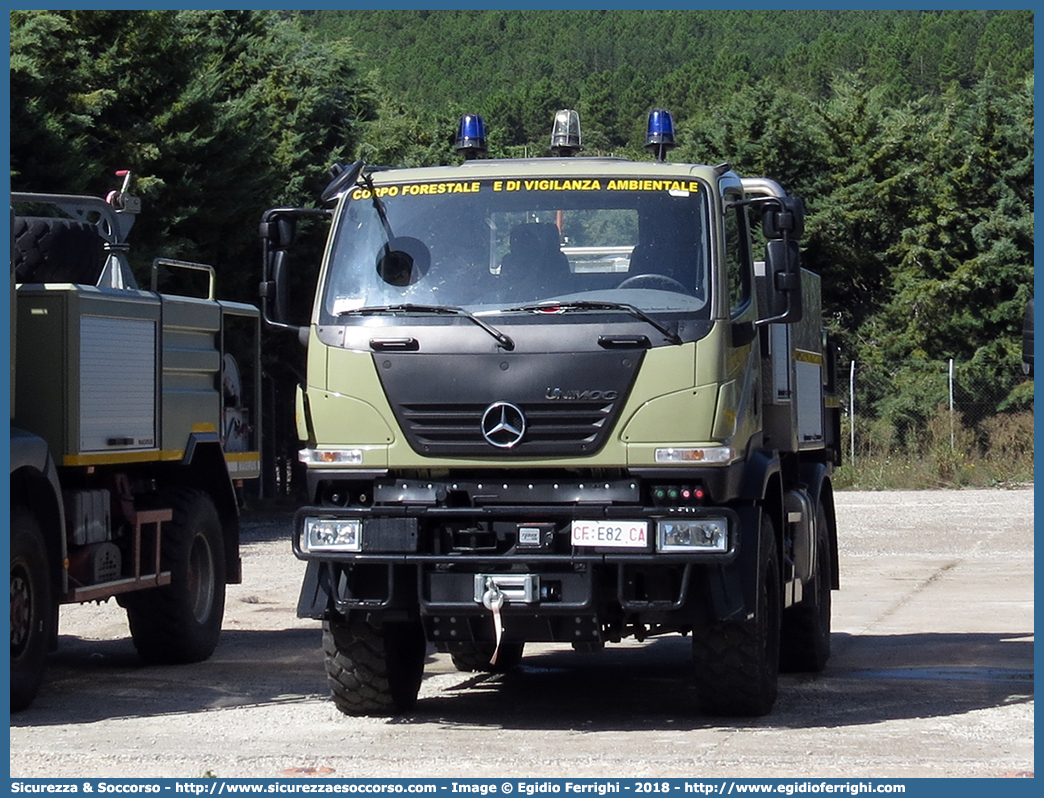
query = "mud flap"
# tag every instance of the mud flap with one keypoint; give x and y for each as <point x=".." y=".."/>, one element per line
<point x="733" y="587"/>
<point x="315" y="591"/>
<point x="726" y="593"/>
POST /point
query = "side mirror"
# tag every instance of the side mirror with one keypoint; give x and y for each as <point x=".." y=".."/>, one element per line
<point x="280" y="278"/>
<point x="278" y="230"/>
<point x="784" y="218"/>
<point x="782" y="282"/>
<point x="277" y="234"/>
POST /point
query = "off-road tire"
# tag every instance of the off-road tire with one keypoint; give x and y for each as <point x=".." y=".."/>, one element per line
<point x="181" y="622"/>
<point x="475" y="657"/>
<point x="805" y="641"/>
<point x="32" y="608"/>
<point x="737" y="662"/>
<point x="56" y="250"/>
<point x="373" y="670"/>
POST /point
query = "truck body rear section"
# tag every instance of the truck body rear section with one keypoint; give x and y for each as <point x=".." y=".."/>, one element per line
<point x="133" y="428"/>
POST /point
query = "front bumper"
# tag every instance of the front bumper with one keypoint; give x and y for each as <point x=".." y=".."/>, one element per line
<point x="403" y="534"/>
<point x="439" y="561"/>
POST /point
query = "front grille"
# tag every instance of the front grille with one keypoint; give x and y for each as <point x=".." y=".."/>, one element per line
<point x="456" y="429"/>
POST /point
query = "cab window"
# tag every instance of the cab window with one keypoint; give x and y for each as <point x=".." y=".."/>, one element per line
<point x="738" y="266"/>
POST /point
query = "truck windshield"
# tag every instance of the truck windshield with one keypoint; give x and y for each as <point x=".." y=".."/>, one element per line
<point x="490" y="246"/>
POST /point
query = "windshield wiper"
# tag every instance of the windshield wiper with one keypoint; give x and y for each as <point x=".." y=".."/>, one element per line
<point x="551" y="306"/>
<point x="378" y="205"/>
<point x="377" y="310"/>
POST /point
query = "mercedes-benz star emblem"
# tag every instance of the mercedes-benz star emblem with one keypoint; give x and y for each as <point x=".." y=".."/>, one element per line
<point x="503" y="425"/>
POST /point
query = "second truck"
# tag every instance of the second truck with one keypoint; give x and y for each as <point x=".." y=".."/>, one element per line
<point x="562" y="399"/>
<point x="134" y="420"/>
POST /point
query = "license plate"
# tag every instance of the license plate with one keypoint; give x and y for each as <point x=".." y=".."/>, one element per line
<point x="624" y="534"/>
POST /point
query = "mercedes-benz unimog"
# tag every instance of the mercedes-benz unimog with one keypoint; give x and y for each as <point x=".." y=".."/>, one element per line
<point x="562" y="399"/>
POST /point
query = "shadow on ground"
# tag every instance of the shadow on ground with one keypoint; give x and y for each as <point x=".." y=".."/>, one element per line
<point x="870" y="679"/>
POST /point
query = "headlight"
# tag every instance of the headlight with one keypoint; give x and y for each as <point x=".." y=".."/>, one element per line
<point x="692" y="535"/>
<point x="326" y="534"/>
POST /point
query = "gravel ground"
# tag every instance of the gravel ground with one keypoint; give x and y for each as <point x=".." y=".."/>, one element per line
<point x="931" y="676"/>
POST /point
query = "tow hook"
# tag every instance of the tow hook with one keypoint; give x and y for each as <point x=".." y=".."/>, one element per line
<point x="493" y="600"/>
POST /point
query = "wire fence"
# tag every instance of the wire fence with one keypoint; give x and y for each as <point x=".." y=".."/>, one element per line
<point x="935" y="425"/>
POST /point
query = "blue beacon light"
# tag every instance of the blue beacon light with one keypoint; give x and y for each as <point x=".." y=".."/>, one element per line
<point x="471" y="137"/>
<point x="660" y="136"/>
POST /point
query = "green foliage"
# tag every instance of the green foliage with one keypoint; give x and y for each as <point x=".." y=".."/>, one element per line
<point x="218" y="114"/>
<point x="908" y="133"/>
<point x="689" y="60"/>
<point x="920" y="219"/>
<point x="959" y="259"/>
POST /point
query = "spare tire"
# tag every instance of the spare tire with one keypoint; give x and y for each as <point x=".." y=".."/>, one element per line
<point x="56" y="250"/>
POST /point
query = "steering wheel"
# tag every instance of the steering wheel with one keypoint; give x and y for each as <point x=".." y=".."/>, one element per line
<point x="661" y="281"/>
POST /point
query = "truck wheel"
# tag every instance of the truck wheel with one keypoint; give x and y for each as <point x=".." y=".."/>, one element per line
<point x="805" y="641"/>
<point x="373" y="670"/>
<point x="476" y="656"/>
<point x="32" y="608"/>
<point x="181" y="622"/>
<point x="56" y="250"/>
<point x="737" y="662"/>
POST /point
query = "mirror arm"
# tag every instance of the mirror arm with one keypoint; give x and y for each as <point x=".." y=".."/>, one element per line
<point x="781" y="317"/>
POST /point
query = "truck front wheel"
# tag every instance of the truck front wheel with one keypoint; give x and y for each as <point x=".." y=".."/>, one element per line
<point x="737" y="662"/>
<point x="373" y="670"/>
<point x="181" y="622"/>
<point x="32" y="608"/>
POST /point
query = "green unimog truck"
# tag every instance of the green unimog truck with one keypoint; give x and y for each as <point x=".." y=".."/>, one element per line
<point x="562" y="399"/>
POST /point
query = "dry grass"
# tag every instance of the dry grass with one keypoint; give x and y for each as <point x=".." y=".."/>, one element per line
<point x="946" y="453"/>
